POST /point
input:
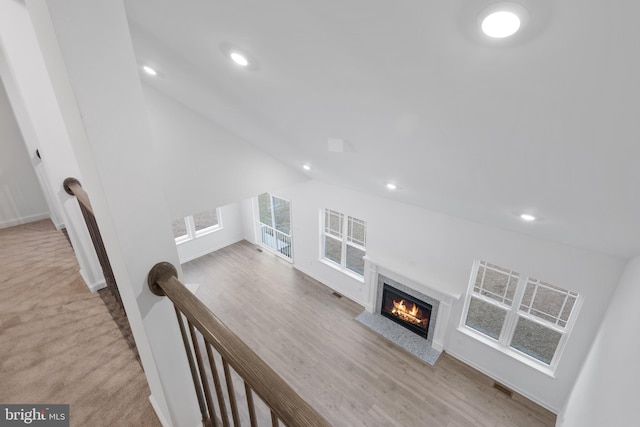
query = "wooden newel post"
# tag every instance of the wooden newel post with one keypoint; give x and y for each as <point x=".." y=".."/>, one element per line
<point x="160" y="272"/>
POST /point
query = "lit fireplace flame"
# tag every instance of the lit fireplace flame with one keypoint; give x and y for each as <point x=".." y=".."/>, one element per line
<point x="408" y="315"/>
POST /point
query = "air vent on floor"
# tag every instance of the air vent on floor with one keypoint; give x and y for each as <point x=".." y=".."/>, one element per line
<point x="335" y="294"/>
<point x="503" y="389"/>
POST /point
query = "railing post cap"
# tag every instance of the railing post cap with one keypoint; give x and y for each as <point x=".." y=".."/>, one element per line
<point x="161" y="271"/>
<point x="67" y="182"/>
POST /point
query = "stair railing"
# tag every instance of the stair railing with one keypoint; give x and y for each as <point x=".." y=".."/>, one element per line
<point x="73" y="187"/>
<point x="223" y="348"/>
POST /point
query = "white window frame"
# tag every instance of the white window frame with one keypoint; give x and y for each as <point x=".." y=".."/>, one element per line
<point x="513" y="312"/>
<point x="256" y="213"/>
<point x="185" y="237"/>
<point x="191" y="228"/>
<point x="288" y="255"/>
<point x="345" y="241"/>
<point x="210" y="229"/>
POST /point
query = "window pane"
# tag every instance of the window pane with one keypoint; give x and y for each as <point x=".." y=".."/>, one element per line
<point x="536" y="340"/>
<point x="264" y="209"/>
<point x="566" y="311"/>
<point x="333" y="249"/>
<point x="179" y="227"/>
<point x="548" y="302"/>
<point x="333" y="223"/>
<point x="485" y="318"/>
<point x="479" y="277"/>
<point x="205" y="219"/>
<point x="355" y="262"/>
<point x="267" y="236"/>
<point x="282" y="215"/>
<point x="496" y="283"/>
<point x="357" y="231"/>
<point x="528" y="296"/>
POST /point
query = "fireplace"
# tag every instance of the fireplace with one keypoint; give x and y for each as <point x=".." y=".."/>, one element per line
<point x="406" y="310"/>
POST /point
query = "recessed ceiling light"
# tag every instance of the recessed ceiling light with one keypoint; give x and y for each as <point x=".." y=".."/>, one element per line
<point x="501" y="24"/>
<point x="149" y="70"/>
<point x="527" y="217"/>
<point x="391" y="186"/>
<point x="503" y="19"/>
<point x="239" y="59"/>
<point x="306" y="167"/>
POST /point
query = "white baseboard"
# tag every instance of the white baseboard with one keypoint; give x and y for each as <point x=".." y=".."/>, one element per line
<point x="24" y="220"/>
<point x="187" y="255"/>
<point x="340" y="291"/>
<point x="506" y="383"/>
<point x="93" y="287"/>
<point x="160" y="415"/>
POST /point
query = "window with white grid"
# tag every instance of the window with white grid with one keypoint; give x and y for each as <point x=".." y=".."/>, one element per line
<point x="521" y="315"/>
<point x="333" y="223"/>
<point x="491" y="299"/>
<point x="548" y="302"/>
<point x="344" y="242"/>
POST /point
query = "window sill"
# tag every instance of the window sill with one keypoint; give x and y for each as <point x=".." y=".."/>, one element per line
<point x="201" y="233"/>
<point x="208" y="230"/>
<point x="342" y="270"/>
<point x="521" y="357"/>
<point x="183" y="239"/>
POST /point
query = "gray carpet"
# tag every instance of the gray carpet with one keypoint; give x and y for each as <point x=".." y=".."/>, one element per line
<point x="402" y="337"/>
<point x="58" y="342"/>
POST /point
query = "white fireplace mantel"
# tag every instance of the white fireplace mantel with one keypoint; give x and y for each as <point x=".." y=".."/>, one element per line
<point x="373" y="269"/>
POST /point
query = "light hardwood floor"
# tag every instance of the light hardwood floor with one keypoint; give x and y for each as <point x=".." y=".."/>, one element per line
<point x="350" y="374"/>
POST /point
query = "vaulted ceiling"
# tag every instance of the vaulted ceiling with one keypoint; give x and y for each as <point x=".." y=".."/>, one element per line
<point x="545" y="122"/>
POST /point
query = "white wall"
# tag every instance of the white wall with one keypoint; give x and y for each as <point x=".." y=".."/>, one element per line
<point x="21" y="198"/>
<point x="606" y="391"/>
<point x="202" y="164"/>
<point x="205" y="166"/>
<point x="438" y="250"/>
<point x="232" y="231"/>
<point x="248" y="220"/>
<point x="92" y="70"/>
<point x="37" y="112"/>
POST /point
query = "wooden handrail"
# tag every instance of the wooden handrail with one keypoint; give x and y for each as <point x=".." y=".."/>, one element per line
<point x="73" y="187"/>
<point x="283" y="401"/>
